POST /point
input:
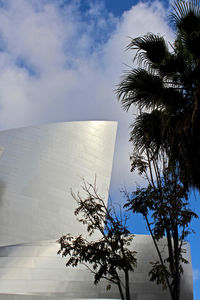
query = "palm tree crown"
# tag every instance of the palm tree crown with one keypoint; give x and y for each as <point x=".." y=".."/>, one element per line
<point x="166" y="90"/>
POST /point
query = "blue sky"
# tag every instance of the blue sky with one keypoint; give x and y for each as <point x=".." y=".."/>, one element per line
<point x="60" y="60"/>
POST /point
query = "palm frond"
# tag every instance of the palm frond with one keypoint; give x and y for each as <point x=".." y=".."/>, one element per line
<point x="173" y="100"/>
<point x="148" y="131"/>
<point x="192" y="43"/>
<point x="174" y="64"/>
<point x="151" y="48"/>
<point x="141" y="88"/>
<point x="186" y="15"/>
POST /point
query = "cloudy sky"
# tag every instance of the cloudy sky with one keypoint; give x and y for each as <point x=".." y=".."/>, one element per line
<point x="61" y="60"/>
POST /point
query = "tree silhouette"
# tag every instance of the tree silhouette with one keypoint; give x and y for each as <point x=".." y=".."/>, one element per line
<point x="108" y="256"/>
<point x="165" y="88"/>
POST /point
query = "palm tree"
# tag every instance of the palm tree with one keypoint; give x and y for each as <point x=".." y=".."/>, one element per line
<point x="166" y="90"/>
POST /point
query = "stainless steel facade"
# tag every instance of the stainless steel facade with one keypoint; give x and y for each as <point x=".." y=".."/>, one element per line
<point x="38" y="167"/>
<point x="36" y="271"/>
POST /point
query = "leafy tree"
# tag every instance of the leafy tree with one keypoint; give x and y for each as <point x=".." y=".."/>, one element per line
<point x="164" y="206"/>
<point x="166" y="90"/>
<point x="107" y="257"/>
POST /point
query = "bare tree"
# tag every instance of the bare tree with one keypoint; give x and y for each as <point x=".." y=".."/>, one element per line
<point x="107" y="257"/>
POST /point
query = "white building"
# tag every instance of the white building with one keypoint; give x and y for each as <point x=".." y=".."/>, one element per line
<point x="38" y="167"/>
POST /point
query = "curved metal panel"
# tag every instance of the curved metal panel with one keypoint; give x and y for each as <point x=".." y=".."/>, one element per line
<point x="38" y="167"/>
<point x="36" y="270"/>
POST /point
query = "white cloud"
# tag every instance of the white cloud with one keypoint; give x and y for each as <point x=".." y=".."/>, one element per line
<point x="53" y="67"/>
